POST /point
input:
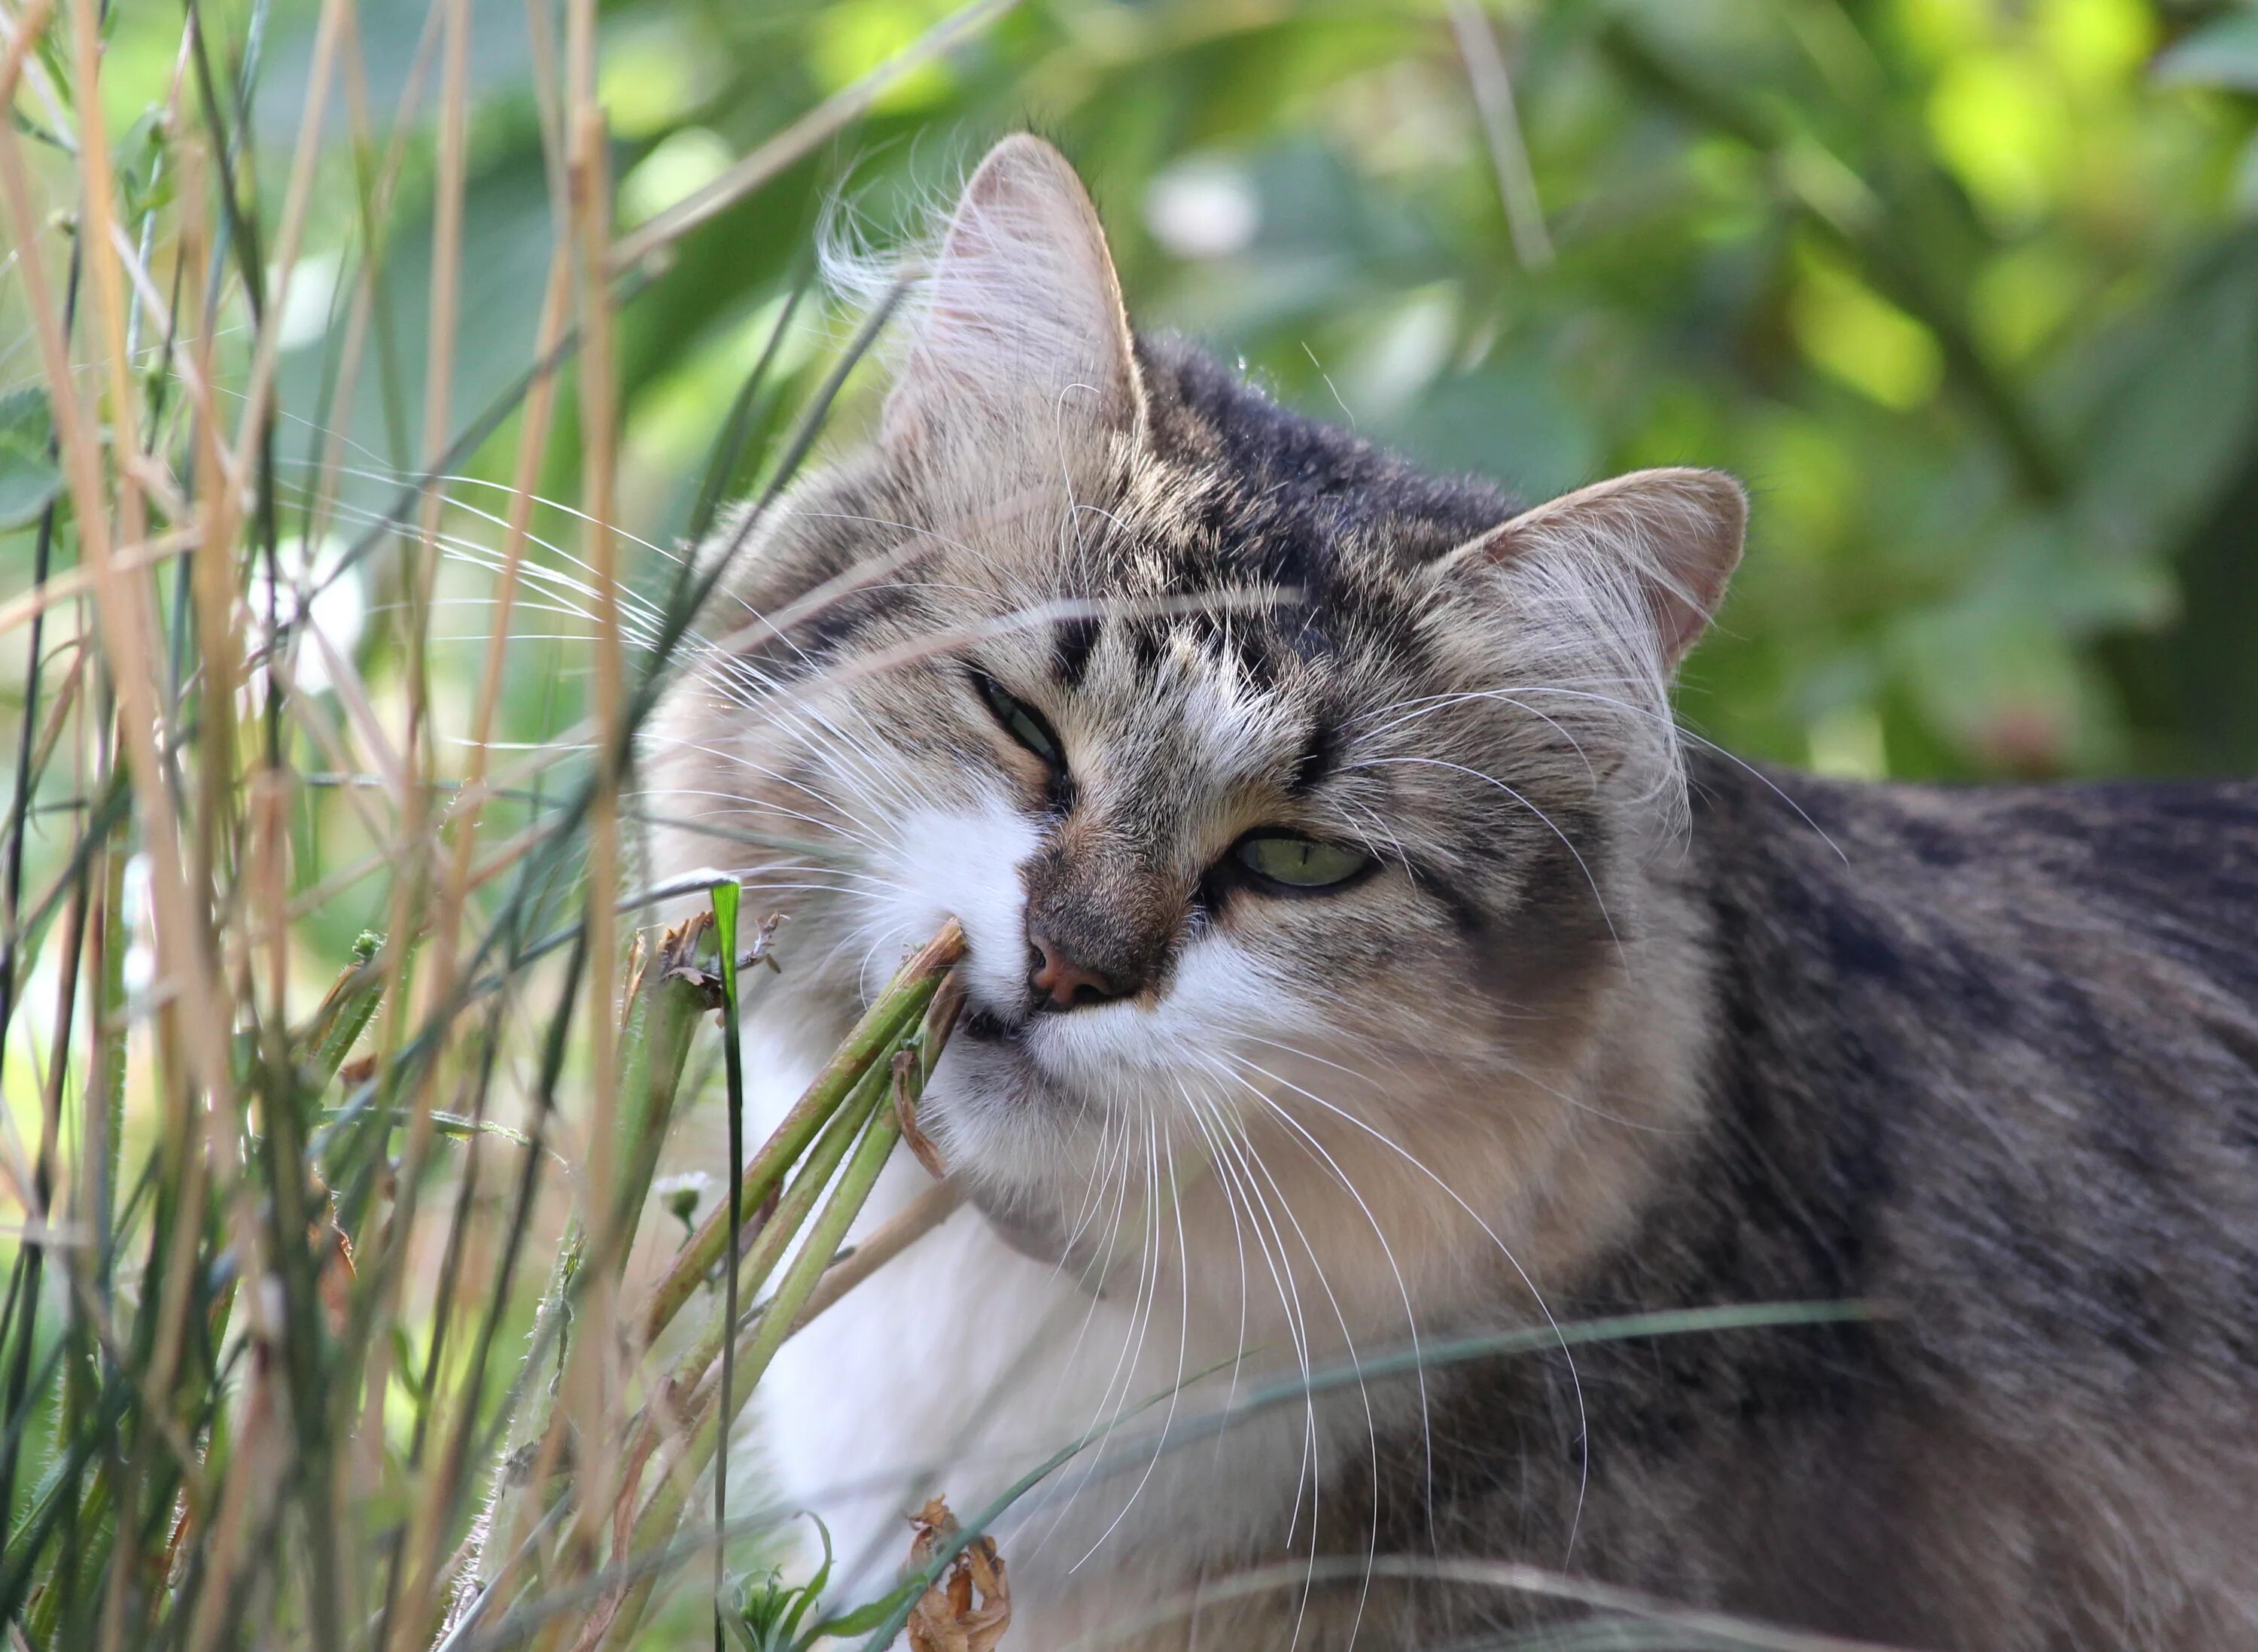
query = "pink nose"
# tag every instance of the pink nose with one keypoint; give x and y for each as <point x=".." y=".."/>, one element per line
<point x="1060" y="982"/>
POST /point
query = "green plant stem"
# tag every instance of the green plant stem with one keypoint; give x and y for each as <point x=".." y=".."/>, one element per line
<point x="784" y="1224"/>
<point x="663" y="1015"/>
<point x="727" y="896"/>
<point x="759" y="1345"/>
<point x="883" y="1026"/>
<point x="344" y="1012"/>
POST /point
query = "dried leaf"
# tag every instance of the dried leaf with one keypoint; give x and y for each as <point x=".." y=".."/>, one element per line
<point x="678" y="960"/>
<point x="763" y="942"/>
<point x="337" y="1273"/>
<point x="906" y="1085"/>
<point x="969" y="1608"/>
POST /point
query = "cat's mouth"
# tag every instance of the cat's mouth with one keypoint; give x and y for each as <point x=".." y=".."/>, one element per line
<point x="1005" y="1046"/>
<point x="986" y="1026"/>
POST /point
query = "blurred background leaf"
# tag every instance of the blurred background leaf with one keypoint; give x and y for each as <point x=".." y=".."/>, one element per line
<point x="1966" y="289"/>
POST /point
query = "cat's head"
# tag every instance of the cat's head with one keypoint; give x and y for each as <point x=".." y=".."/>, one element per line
<point x="1261" y="768"/>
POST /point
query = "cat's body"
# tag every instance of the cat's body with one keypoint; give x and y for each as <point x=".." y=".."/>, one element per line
<point x="1987" y="1062"/>
<point x="1348" y="966"/>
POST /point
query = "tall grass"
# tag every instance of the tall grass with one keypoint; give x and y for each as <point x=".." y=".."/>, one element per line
<point x="280" y="1358"/>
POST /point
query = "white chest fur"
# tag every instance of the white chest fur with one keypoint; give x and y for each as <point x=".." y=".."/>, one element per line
<point x="963" y="1364"/>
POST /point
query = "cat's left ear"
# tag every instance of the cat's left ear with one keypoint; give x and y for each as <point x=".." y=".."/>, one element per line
<point x="1023" y="337"/>
<point x="1669" y="539"/>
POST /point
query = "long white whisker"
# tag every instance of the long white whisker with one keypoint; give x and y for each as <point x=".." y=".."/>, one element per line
<point x="1251" y="1160"/>
<point x="1504" y="1250"/>
<point x="1403" y="1290"/>
<point x="1200" y="1117"/>
<point x="1183" y="1348"/>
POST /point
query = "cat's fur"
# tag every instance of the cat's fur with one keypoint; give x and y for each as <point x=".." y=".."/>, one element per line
<point x="1613" y="1030"/>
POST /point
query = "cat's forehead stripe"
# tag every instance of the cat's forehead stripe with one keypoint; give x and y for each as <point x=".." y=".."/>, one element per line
<point x="1073" y="642"/>
<point x="1316" y="761"/>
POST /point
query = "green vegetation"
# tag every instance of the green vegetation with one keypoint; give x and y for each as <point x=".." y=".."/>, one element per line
<point x="361" y="364"/>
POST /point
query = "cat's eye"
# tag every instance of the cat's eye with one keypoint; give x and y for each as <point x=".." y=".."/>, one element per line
<point x="1289" y="861"/>
<point x="1021" y="720"/>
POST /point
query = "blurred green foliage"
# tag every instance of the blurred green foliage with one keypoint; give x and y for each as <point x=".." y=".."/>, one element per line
<point x="1966" y="289"/>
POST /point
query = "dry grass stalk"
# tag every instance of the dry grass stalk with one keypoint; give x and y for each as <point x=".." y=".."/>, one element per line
<point x="291" y="1279"/>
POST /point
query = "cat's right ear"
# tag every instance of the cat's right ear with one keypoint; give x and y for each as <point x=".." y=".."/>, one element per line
<point x="1650" y="550"/>
<point x="1023" y="342"/>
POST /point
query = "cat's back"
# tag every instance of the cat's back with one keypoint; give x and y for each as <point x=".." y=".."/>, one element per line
<point x="2097" y="941"/>
<point x="2060" y="869"/>
<point x="1988" y="1064"/>
<point x="2024" y="1016"/>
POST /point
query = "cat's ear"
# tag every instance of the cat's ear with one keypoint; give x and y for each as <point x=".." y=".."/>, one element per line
<point x="1023" y="337"/>
<point x="1668" y="540"/>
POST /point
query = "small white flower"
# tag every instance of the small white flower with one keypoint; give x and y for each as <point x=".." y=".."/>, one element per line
<point x="681" y="1193"/>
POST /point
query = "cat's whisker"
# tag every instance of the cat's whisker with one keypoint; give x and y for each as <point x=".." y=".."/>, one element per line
<point x="852" y="828"/>
<point x="527" y="566"/>
<point x="1747" y="768"/>
<point x="880" y="957"/>
<point x="1661" y="717"/>
<point x="1183" y="1344"/>
<point x="914" y="528"/>
<point x="1448" y="701"/>
<point x="1123" y="1375"/>
<point x="1504" y="1064"/>
<point x="807" y="722"/>
<point x="952" y="640"/>
<point x="1528" y="1283"/>
<point x="478" y="554"/>
<point x="1378" y="832"/>
<point x="1252" y="1163"/>
<point x="640" y="634"/>
<point x="1212" y="1125"/>
<point x="1093" y="1281"/>
<point x="437" y="604"/>
<point x="1100" y="1177"/>
<point x="457" y="479"/>
<point x="1228" y="1141"/>
<point x="1270" y="1240"/>
<point x="854" y="763"/>
<point x="1318" y="1150"/>
<point x="1199" y="1112"/>
<point x="762" y="887"/>
<point x="846" y="880"/>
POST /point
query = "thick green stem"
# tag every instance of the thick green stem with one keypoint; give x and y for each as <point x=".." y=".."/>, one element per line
<point x="882" y="1027"/>
<point x="865" y="1117"/>
<point x="784" y="1224"/>
<point x="775" y="1321"/>
<point x="661" y="1018"/>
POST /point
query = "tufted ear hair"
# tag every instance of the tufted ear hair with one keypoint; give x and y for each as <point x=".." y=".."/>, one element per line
<point x="1653" y="548"/>
<point x="1023" y="338"/>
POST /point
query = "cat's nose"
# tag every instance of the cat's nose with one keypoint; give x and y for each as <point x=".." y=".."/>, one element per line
<point x="1060" y="982"/>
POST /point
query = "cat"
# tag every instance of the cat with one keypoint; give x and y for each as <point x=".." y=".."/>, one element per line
<point x="1857" y="1185"/>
